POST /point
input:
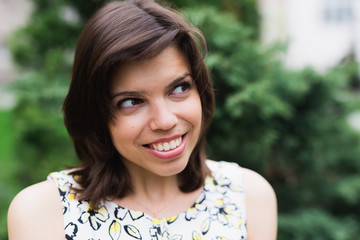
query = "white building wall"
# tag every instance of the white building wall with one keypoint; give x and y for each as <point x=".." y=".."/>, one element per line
<point x="274" y="20"/>
<point x="357" y="29"/>
<point x="312" y="40"/>
<point x="13" y="14"/>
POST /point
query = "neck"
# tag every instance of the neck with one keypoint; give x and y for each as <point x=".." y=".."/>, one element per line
<point x="150" y="186"/>
<point x="154" y="196"/>
<point x="158" y="196"/>
<point x="151" y="193"/>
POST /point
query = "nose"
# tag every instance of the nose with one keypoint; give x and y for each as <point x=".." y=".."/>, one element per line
<point x="162" y="117"/>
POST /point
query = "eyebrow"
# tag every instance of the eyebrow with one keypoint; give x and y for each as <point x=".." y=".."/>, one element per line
<point x="129" y="94"/>
<point x="142" y="93"/>
<point x="177" y="80"/>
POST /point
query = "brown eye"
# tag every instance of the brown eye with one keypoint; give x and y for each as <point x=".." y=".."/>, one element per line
<point x="129" y="103"/>
<point x="181" y="88"/>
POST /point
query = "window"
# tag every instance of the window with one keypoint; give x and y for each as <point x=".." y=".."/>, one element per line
<point x="338" y="11"/>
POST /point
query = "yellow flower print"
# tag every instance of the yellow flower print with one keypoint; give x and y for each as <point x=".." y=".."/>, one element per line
<point x="224" y="211"/>
<point x="217" y="184"/>
<point x="115" y="230"/>
<point x="197" y="236"/>
<point x="71" y="231"/>
<point x="159" y="232"/>
<point x="65" y="194"/>
<point x="135" y="215"/>
<point x="121" y="213"/>
<point x="94" y="217"/>
<point x="71" y="196"/>
<point x="132" y="231"/>
<point x="171" y="219"/>
<point x="205" y="226"/>
<point x="198" y="207"/>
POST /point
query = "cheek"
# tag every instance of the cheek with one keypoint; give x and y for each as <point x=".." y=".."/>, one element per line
<point x="124" y="131"/>
<point x="197" y="111"/>
<point x="194" y="111"/>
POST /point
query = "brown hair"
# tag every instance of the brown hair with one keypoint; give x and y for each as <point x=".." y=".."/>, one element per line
<point x="120" y="32"/>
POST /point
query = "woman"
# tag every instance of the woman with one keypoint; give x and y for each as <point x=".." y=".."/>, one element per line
<point x="137" y="110"/>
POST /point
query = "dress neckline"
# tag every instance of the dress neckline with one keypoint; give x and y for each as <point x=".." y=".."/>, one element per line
<point x="199" y="200"/>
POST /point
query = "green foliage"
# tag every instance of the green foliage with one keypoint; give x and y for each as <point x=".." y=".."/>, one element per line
<point x="316" y="224"/>
<point x="8" y="187"/>
<point x="44" y="51"/>
<point x="6" y="138"/>
<point x="45" y="31"/>
<point x="289" y="126"/>
<point x="244" y="11"/>
<point x="42" y="136"/>
<point x="39" y="122"/>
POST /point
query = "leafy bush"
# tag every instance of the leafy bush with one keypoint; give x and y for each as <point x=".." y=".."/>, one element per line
<point x="7" y="185"/>
<point x="305" y="224"/>
<point x="289" y="126"/>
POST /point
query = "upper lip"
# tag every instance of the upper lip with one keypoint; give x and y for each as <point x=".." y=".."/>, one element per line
<point x="166" y="139"/>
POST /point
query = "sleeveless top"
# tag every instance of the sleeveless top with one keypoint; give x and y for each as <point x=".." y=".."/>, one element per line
<point x="218" y="213"/>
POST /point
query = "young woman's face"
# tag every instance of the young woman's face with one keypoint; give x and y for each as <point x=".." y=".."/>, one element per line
<point x="157" y="113"/>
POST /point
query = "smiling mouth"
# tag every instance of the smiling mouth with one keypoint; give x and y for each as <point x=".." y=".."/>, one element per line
<point x="166" y="146"/>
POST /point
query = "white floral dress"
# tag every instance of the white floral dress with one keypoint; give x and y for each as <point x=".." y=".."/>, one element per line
<point x="218" y="213"/>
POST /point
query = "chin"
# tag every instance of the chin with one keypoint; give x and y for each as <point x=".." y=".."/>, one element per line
<point x="173" y="168"/>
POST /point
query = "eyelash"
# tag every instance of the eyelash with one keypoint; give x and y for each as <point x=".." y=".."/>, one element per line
<point x="137" y="101"/>
<point x="185" y="84"/>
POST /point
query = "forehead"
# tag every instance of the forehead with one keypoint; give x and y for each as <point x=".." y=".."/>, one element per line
<point x="166" y="66"/>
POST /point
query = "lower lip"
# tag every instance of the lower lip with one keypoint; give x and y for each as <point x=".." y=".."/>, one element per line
<point x="171" y="153"/>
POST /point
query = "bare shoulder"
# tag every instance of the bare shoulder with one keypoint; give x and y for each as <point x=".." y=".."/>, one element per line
<point x="261" y="207"/>
<point x="257" y="186"/>
<point x="36" y="213"/>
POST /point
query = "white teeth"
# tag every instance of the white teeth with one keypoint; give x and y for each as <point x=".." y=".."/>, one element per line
<point x="166" y="146"/>
<point x="172" y="144"/>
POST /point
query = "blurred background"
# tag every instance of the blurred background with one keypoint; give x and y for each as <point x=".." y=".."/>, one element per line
<point x="287" y="81"/>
